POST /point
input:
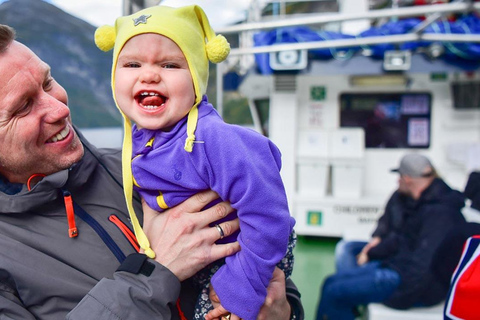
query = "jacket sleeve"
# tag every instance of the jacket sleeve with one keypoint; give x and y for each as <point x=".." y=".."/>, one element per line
<point x="293" y="297"/>
<point x="245" y="170"/>
<point x="386" y="248"/>
<point x="11" y="308"/>
<point x="131" y="296"/>
<point x="384" y="224"/>
<point x="387" y="227"/>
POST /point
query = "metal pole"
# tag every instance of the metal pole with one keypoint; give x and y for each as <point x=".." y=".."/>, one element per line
<point x="422" y="26"/>
<point x="132" y="6"/>
<point x="126" y="7"/>
<point x="219" y="69"/>
<point x="375" y="14"/>
<point x="342" y="43"/>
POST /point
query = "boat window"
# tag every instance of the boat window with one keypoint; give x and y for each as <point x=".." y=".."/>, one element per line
<point x="466" y="94"/>
<point x="390" y="119"/>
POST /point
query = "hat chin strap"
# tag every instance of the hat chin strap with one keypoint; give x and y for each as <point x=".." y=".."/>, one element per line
<point x="128" y="188"/>
<point x="128" y="176"/>
<point x="191" y="127"/>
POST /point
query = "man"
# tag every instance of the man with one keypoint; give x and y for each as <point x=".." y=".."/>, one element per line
<point x="395" y="266"/>
<point x="65" y="247"/>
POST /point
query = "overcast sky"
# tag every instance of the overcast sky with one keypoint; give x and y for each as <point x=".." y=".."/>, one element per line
<point x="99" y="12"/>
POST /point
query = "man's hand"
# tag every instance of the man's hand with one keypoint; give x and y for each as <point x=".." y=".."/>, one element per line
<point x="362" y="257"/>
<point x="276" y="306"/>
<point x="181" y="236"/>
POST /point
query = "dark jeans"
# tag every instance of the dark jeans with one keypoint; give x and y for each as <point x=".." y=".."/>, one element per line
<point x="345" y="290"/>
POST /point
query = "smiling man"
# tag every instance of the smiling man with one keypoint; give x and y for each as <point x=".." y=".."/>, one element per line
<point x="36" y="133"/>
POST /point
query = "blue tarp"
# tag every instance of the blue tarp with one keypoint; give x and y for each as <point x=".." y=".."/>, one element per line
<point x="454" y="52"/>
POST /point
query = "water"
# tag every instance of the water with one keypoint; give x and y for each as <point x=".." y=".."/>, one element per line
<point x="109" y="137"/>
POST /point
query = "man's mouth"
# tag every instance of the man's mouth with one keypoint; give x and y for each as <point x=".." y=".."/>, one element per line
<point x="150" y="100"/>
<point x="59" y="136"/>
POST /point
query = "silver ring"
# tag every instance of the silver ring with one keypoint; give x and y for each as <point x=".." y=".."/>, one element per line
<point x="227" y="317"/>
<point x="220" y="230"/>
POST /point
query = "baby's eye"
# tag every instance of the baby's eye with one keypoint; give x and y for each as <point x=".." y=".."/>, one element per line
<point x="170" y="66"/>
<point x="132" y="65"/>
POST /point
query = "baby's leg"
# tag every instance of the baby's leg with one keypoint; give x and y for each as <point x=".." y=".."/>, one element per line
<point x="286" y="264"/>
<point x="202" y="279"/>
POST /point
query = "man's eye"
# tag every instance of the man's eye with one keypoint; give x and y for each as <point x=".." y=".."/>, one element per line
<point x="48" y="84"/>
<point x="24" y="110"/>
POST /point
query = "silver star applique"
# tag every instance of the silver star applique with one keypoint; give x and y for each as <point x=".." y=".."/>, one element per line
<point x="142" y="19"/>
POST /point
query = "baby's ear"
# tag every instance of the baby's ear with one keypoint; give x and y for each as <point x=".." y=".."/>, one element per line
<point x="105" y="37"/>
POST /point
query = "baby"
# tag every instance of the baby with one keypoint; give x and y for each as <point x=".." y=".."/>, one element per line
<point x="179" y="146"/>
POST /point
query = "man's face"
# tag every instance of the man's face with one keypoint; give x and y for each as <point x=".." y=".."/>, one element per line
<point x="404" y="185"/>
<point x="36" y="134"/>
<point x="153" y="84"/>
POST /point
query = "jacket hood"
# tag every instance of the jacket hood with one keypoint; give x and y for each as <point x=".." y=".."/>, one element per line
<point x="49" y="188"/>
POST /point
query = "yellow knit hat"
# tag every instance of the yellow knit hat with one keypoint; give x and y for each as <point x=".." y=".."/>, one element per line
<point x="189" y="28"/>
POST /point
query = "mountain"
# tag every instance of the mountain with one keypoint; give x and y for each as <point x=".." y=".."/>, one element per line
<point x="66" y="43"/>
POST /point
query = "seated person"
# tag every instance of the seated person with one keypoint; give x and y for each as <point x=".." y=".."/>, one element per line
<point x="395" y="269"/>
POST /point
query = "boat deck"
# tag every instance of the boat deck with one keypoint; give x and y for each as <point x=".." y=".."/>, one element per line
<point x="314" y="260"/>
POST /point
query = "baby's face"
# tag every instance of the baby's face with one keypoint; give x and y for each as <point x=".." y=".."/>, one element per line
<point x="153" y="84"/>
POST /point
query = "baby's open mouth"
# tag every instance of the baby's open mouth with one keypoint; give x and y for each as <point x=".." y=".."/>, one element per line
<point x="150" y="99"/>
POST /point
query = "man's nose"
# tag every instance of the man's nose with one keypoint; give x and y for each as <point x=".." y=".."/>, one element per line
<point x="55" y="109"/>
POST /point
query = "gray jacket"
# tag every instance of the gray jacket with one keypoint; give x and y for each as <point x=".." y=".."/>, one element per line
<point x="45" y="274"/>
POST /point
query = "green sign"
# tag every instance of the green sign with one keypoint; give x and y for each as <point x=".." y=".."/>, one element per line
<point x="318" y="93"/>
<point x="438" y="76"/>
<point x="314" y="218"/>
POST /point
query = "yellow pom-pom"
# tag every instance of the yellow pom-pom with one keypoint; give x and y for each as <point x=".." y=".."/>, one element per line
<point x="105" y="38"/>
<point x="218" y="49"/>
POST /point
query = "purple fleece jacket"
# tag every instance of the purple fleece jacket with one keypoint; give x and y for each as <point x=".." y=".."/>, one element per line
<point x="243" y="167"/>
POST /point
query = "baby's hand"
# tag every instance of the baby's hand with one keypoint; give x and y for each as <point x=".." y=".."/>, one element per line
<point x="219" y="312"/>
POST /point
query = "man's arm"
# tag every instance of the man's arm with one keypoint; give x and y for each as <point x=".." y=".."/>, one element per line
<point x="384" y="238"/>
<point x="387" y="220"/>
<point x="363" y="257"/>
<point x="11" y="307"/>
<point x="283" y="300"/>
<point x="130" y="296"/>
